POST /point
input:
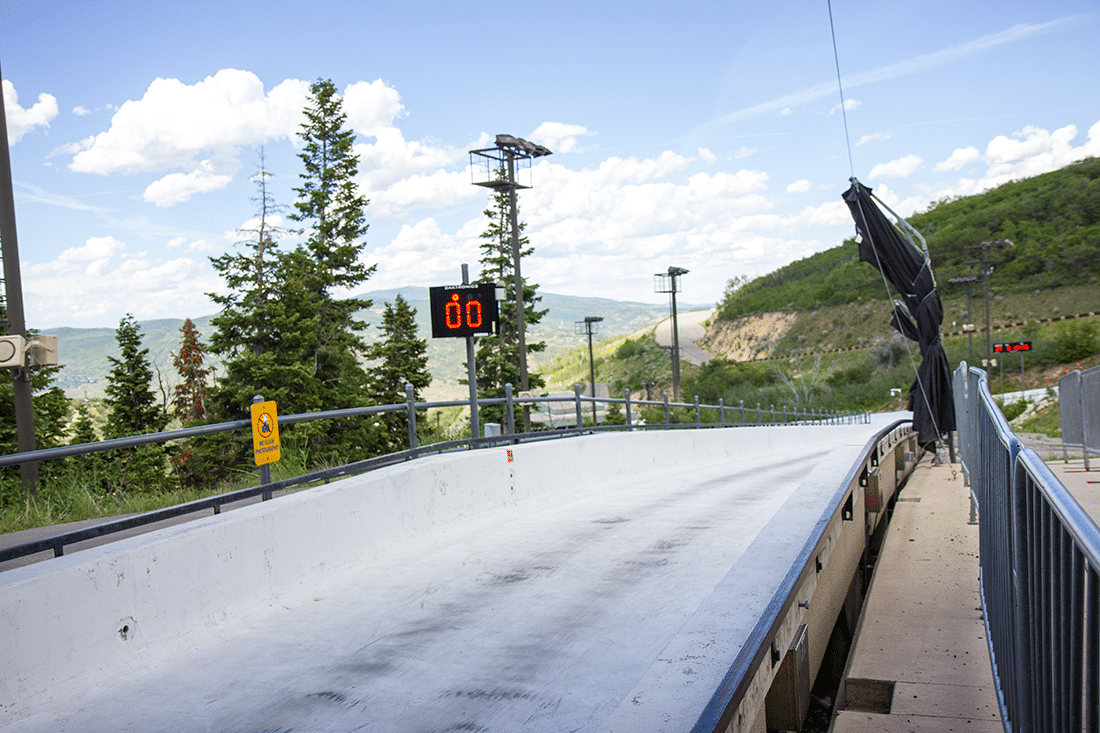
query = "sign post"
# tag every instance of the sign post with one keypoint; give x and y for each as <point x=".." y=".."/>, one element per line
<point x="460" y="311"/>
<point x="1020" y="346"/>
<point x="265" y="438"/>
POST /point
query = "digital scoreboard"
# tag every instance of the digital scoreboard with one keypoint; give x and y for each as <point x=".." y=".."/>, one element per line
<point x="1006" y="348"/>
<point x="463" y="310"/>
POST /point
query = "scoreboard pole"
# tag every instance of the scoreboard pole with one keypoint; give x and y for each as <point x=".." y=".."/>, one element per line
<point x="471" y="371"/>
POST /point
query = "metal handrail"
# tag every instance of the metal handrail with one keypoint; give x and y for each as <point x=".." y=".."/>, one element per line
<point x="266" y="490"/>
<point x="1039" y="555"/>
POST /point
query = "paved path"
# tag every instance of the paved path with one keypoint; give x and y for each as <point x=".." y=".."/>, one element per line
<point x="691" y="329"/>
<point x="920" y="661"/>
<point x="539" y="617"/>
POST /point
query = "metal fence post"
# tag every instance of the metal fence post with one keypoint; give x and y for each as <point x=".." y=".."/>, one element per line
<point x="666" y="409"/>
<point x="410" y="410"/>
<point x="626" y="397"/>
<point x="721" y="413"/>
<point x="742" y="412"/>
<point x="759" y="418"/>
<point x="773" y="415"/>
<point x="577" y="400"/>
<point x="698" y="419"/>
<point x="510" y="409"/>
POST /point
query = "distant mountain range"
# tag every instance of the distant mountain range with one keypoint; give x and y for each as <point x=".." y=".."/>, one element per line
<point x="84" y="352"/>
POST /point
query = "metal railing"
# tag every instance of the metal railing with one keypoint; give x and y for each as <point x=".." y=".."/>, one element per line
<point x="1039" y="555"/>
<point x="741" y="416"/>
<point x="1079" y="408"/>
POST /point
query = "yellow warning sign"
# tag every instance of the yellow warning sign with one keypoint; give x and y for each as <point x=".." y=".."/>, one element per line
<point x="265" y="433"/>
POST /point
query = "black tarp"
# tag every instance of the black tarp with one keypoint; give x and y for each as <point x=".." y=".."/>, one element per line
<point x="910" y="273"/>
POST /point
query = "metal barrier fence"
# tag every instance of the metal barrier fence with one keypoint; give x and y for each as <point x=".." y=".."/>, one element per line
<point x="741" y="416"/>
<point x="1040" y="574"/>
<point x="1079" y="407"/>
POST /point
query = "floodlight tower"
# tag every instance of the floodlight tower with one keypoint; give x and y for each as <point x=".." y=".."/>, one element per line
<point x="588" y="326"/>
<point x="670" y="283"/>
<point x="496" y="168"/>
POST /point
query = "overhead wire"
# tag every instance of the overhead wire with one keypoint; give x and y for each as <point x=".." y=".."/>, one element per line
<point x="874" y="247"/>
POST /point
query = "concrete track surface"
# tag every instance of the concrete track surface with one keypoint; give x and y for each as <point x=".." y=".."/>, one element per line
<point x="555" y="612"/>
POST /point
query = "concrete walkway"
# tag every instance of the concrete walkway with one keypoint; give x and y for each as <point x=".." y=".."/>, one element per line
<point x="920" y="660"/>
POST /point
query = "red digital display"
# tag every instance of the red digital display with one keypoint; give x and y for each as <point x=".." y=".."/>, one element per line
<point x="463" y="310"/>
<point x="1018" y="346"/>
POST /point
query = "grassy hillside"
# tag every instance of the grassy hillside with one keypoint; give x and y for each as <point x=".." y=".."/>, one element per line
<point x="1052" y="219"/>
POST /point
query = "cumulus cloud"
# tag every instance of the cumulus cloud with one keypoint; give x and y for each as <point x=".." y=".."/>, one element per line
<point x="178" y="187"/>
<point x="197" y="127"/>
<point x="849" y="105"/>
<point x="899" y="168"/>
<point x="559" y="137"/>
<point x="743" y="152"/>
<point x="871" y="138"/>
<point x="959" y="158"/>
<point x="372" y="107"/>
<point x="81" y="110"/>
<point x="799" y="186"/>
<point x="706" y="155"/>
<point x="23" y="120"/>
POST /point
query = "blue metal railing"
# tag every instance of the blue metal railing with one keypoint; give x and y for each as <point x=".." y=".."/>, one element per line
<point x="1040" y="574"/>
<point x="757" y="416"/>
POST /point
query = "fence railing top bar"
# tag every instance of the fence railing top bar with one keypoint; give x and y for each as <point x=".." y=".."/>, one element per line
<point x="1081" y="527"/>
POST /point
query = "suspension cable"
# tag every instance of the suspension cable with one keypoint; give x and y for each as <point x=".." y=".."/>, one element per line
<point x="840" y="86"/>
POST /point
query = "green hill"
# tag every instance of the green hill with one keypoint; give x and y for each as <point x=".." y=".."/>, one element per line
<point x="1052" y="219"/>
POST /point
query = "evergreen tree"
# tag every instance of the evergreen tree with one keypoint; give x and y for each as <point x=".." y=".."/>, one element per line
<point x="133" y="410"/>
<point x="333" y="213"/>
<point x="498" y="356"/>
<point x="403" y="359"/>
<point x="190" y="400"/>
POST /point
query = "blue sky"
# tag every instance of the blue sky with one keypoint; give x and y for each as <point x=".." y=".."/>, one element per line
<point x="705" y="135"/>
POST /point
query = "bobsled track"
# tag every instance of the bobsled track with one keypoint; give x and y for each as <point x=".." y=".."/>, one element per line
<point x="645" y="581"/>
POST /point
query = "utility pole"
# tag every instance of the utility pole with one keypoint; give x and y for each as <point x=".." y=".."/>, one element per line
<point x="13" y="307"/>
<point x="968" y="280"/>
<point x="589" y="327"/>
<point x="986" y="264"/>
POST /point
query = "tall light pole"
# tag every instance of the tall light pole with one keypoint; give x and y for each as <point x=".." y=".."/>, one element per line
<point x="967" y="280"/>
<point x="588" y="326"/>
<point x="670" y="283"/>
<point x="495" y="168"/>
<point x="15" y="323"/>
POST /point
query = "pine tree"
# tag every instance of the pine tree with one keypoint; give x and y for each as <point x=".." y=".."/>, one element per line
<point x="133" y="410"/>
<point x="333" y="213"/>
<point x="498" y="356"/>
<point x="403" y="359"/>
<point x="190" y="401"/>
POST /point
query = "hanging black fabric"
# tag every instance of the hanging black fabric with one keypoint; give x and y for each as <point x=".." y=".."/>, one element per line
<point x="910" y="272"/>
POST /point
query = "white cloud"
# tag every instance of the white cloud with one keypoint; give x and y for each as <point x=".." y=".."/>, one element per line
<point x="959" y="158"/>
<point x="372" y="107"/>
<point x="849" y="105"/>
<point x="179" y="187"/>
<point x="743" y="152"/>
<point x="559" y="137"/>
<point x="870" y="138"/>
<point x="786" y="112"/>
<point x="899" y="168"/>
<point x="174" y="123"/>
<point x="20" y="120"/>
<point x="799" y="186"/>
<point x="706" y="155"/>
<point x="175" y="242"/>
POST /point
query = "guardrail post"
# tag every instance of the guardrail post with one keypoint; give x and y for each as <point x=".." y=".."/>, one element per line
<point x="721" y="413"/>
<point x="510" y="409"/>
<point x="698" y="419"/>
<point x="759" y="418"/>
<point x="773" y="414"/>
<point x="577" y="399"/>
<point x="666" y="409"/>
<point x="410" y="411"/>
<point x="742" y="412"/>
<point x="626" y="396"/>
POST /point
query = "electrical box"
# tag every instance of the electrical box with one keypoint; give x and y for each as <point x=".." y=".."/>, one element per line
<point x="13" y="351"/>
<point x="42" y="350"/>
<point x="788" y="699"/>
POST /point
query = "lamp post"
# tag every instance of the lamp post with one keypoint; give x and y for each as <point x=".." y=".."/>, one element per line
<point x="495" y="168"/>
<point x="589" y="327"/>
<point x="670" y="283"/>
